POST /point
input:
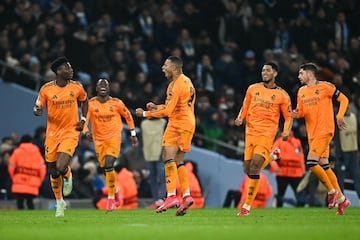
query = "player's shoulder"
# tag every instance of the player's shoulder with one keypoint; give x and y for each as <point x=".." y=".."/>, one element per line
<point x="255" y="86"/>
<point x="93" y="99"/>
<point x="115" y="100"/>
<point x="47" y="85"/>
<point x="326" y="84"/>
<point x="76" y="83"/>
<point x="282" y="91"/>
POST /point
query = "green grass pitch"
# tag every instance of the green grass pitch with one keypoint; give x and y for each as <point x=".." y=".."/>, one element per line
<point x="268" y="223"/>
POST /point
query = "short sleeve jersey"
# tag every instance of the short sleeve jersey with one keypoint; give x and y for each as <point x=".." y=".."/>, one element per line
<point x="315" y="105"/>
<point x="62" y="108"/>
<point x="179" y="104"/>
<point x="262" y="107"/>
<point x="105" y="118"/>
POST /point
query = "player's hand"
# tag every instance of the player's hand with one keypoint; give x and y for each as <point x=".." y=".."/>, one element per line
<point x="151" y="106"/>
<point x="89" y="136"/>
<point x="284" y="137"/>
<point x="37" y="111"/>
<point x="239" y="121"/>
<point x="80" y="126"/>
<point x="294" y="113"/>
<point x="134" y="141"/>
<point x="139" y="112"/>
<point x="341" y="123"/>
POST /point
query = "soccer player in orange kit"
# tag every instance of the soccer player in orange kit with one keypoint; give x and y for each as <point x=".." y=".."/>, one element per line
<point x="314" y="104"/>
<point x="179" y="108"/>
<point x="105" y="114"/>
<point x="61" y="97"/>
<point x="261" y="111"/>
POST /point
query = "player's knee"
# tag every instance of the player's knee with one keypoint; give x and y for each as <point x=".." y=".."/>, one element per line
<point x="53" y="171"/>
<point x="311" y="163"/>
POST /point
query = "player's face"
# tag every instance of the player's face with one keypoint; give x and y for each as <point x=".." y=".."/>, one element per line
<point x="102" y="88"/>
<point x="66" y="71"/>
<point x="167" y="68"/>
<point x="303" y="76"/>
<point x="268" y="73"/>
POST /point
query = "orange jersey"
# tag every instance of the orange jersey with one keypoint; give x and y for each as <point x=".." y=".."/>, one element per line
<point x="62" y="108"/>
<point x="315" y="105"/>
<point x="179" y="104"/>
<point x="261" y="110"/>
<point x="105" y="118"/>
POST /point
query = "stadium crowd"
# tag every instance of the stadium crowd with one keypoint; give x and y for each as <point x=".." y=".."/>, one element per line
<point x="223" y="44"/>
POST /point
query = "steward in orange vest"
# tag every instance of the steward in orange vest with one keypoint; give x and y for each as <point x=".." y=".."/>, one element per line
<point x="128" y="191"/>
<point x="27" y="170"/>
<point x="195" y="188"/>
<point x="262" y="196"/>
<point x="289" y="167"/>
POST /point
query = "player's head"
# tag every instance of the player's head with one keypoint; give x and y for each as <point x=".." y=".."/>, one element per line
<point x="309" y="67"/>
<point x="307" y="71"/>
<point x="269" y="72"/>
<point x="172" y="65"/>
<point x="57" y="63"/>
<point x="102" y="87"/>
<point x="62" y="67"/>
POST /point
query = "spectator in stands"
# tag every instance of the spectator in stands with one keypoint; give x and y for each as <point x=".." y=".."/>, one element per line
<point x="27" y="170"/>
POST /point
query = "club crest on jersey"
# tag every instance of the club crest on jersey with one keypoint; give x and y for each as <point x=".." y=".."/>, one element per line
<point x="111" y="109"/>
<point x="317" y="92"/>
<point x="273" y="97"/>
<point x="71" y="93"/>
<point x="257" y="94"/>
<point x="97" y="110"/>
<point x="54" y="97"/>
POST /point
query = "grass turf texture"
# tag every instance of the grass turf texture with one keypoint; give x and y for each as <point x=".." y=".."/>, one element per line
<point x="269" y="223"/>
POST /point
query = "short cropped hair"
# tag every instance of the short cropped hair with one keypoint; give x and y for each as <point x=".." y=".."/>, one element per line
<point x="309" y="67"/>
<point x="273" y="65"/>
<point x="176" y="61"/>
<point x="57" y="63"/>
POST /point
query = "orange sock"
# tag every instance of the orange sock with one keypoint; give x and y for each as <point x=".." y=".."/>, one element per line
<point x="184" y="180"/>
<point x="170" y="176"/>
<point x="110" y="182"/>
<point x="68" y="172"/>
<point x="252" y="189"/>
<point x="333" y="179"/>
<point x="322" y="176"/>
<point x="56" y="185"/>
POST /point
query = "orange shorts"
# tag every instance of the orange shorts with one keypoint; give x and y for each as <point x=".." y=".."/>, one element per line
<point x="54" y="146"/>
<point x="108" y="148"/>
<point x="320" y="146"/>
<point x="178" y="137"/>
<point x="260" y="145"/>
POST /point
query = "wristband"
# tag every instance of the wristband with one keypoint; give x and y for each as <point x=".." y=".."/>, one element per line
<point x="133" y="133"/>
<point x="144" y="113"/>
<point x="83" y="118"/>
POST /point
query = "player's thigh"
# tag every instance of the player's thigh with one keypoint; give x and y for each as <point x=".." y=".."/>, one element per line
<point x="109" y="148"/>
<point x="320" y="147"/>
